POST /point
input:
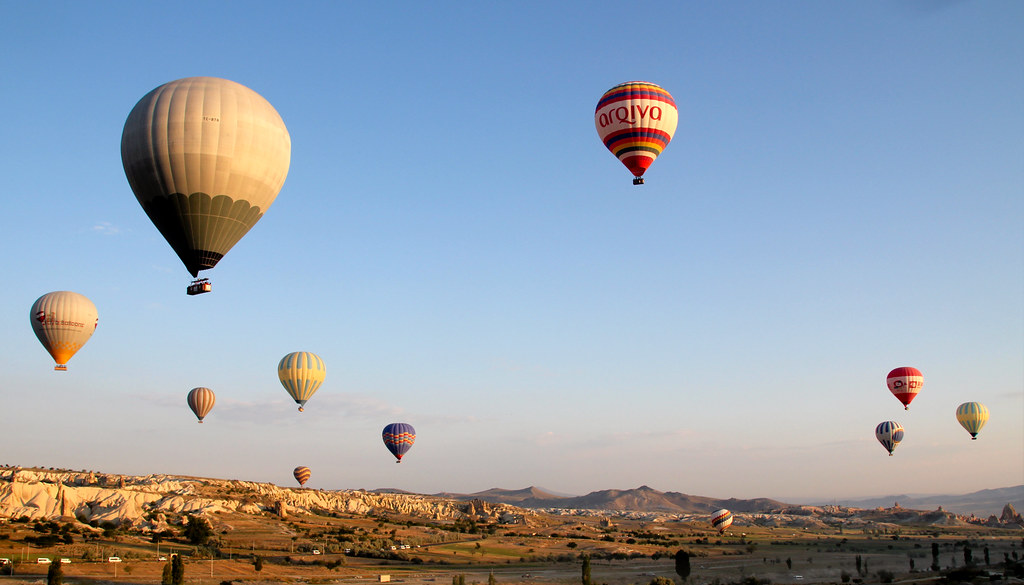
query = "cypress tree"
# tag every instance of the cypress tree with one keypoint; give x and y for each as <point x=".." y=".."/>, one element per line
<point x="586" y="570"/>
<point x="177" y="570"/>
<point x="55" y="574"/>
<point x="683" y="564"/>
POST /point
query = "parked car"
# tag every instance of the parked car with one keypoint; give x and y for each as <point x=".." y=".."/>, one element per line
<point x="113" y="559"/>
<point x="65" y="561"/>
<point x="43" y="561"/>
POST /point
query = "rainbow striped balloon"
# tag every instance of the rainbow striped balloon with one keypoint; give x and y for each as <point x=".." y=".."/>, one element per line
<point x="398" y="438"/>
<point x="721" y="520"/>
<point x="636" y="121"/>
<point x="972" y="416"/>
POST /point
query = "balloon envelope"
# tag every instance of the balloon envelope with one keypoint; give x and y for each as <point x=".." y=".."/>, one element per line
<point x="721" y="520"/>
<point x="301" y="373"/>
<point x="205" y="157"/>
<point x="636" y="121"/>
<point x="301" y="474"/>
<point x="889" y="434"/>
<point x="905" y="383"/>
<point x="63" y="321"/>
<point x="398" y="438"/>
<point x="972" y="416"/>
<point x="201" y="400"/>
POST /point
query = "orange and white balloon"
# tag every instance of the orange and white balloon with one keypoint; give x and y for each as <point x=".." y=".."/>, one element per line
<point x="63" y="321"/>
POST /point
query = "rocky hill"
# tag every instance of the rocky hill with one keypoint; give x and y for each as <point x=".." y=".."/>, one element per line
<point x="143" y="502"/>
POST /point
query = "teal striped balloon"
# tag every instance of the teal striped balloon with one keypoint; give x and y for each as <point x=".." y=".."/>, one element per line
<point x="972" y="416"/>
<point x="301" y="373"/>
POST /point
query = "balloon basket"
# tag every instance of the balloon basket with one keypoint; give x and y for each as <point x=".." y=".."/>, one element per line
<point x="199" y="286"/>
<point x="638" y="181"/>
<point x="60" y="368"/>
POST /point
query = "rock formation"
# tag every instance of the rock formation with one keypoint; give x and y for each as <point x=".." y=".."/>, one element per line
<point x="40" y="494"/>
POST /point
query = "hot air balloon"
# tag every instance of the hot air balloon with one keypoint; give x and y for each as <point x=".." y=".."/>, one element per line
<point x="972" y="416"/>
<point x="905" y="383"/>
<point x="721" y="520"/>
<point x="205" y="157"/>
<point x="398" y="438"/>
<point x="63" y="321"/>
<point x="201" y="400"/>
<point x="889" y="434"/>
<point x="636" y="121"/>
<point x="301" y="373"/>
<point x="301" y="474"/>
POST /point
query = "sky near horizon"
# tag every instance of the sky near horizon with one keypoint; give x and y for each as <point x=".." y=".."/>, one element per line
<point x="844" y="195"/>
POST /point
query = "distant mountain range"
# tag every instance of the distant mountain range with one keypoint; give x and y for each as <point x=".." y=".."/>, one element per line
<point x="980" y="503"/>
<point x="641" y="499"/>
<point x="646" y="499"/>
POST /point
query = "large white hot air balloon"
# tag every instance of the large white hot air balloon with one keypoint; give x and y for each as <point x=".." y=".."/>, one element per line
<point x="63" y="321"/>
<point x="205" y="157"/>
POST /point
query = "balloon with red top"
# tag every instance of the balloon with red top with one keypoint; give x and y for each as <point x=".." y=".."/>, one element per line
<point x="905" y="383"/>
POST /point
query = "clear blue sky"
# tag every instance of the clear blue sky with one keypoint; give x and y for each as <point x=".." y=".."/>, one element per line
<point x="844" y="195"/>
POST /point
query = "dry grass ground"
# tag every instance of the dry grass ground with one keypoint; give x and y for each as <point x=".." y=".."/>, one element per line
<point x="547" y="552"/>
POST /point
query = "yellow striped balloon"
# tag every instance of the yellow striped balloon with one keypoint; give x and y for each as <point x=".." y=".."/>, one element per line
<point x="972" y="416"/>
<point x="63" y="321"/>
<point x="201" y="401"/>
<point x="302" y="474"/>
<point x="301" y="373"/>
